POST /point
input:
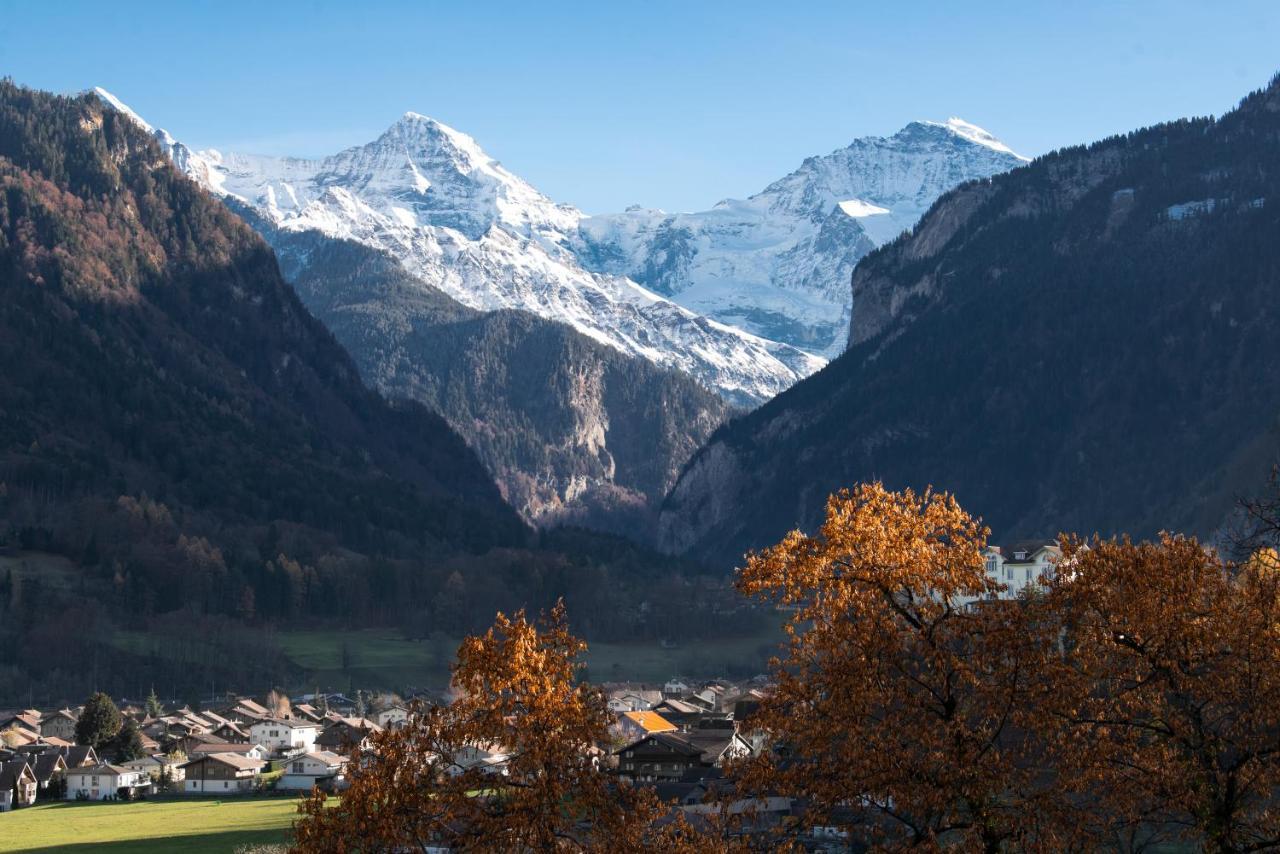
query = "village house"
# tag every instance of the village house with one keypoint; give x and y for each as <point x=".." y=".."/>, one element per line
<point x="633" y="700"/>
<point x="222" y="774"/>
<point x="106" y="781"/>
<point x="49" y="768"/>
<point x="635" y="725"/>
<point x="232" y="732"/>
<point x="393" y="717"/>
<point x="156" y="765"/>
<point x="1020" y="566"/>
<point x="285" y="735"/>
<point x="490" y="758"/>
<point x="319" y="768"/>
<point x="253" y="751"/>
<point x="656" y="757"/>
<point x="342" y="734"/>
<point x="18" y="785"/>
<point x="60" y="724"/>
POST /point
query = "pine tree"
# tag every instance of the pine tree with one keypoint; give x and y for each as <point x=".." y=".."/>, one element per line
<point x="99" y="722"/>
<point x="154" y="709"/>
<point x="127" y="745"/>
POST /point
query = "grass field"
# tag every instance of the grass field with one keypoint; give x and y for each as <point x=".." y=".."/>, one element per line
<point x="195" y="826"/>
<point x="384" y="658"/>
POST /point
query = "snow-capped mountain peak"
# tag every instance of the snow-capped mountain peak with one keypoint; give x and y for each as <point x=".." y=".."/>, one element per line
<point x="779" y="263"/>
<point x="461" y="222"/>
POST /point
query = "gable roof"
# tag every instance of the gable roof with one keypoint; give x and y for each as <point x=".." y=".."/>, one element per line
<point x="102" y="769"/>
<point x="650" y="721"/>
<point x="240" y="763"/>
<point x="666" y="740"/>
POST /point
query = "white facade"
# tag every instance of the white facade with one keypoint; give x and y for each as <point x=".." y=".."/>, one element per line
<point x="1020" y="569"/>
<point x="303" y="772"/>
<point x="290" y="735"/>
<point x="394" y="717"/>
<point x="104" y="781"/>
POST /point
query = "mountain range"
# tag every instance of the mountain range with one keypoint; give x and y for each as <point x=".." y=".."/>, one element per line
<point x="778" y="263"/>
<point x="517" y="338"/>
<point x="1086" y="343"/>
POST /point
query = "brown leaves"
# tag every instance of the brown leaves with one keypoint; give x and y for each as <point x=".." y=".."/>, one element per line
<point x="519" y="706"/>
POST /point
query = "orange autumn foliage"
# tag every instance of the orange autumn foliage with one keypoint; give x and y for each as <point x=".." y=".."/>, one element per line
<point x="1170" y="685"/>
<point x="518" y="697"/>
<point x="904" y="716"/>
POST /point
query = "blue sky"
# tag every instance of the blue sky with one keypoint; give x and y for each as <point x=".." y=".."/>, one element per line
<point x="672" y="105"/>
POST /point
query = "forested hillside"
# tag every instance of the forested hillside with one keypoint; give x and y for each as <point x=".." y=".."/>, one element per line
<point x="1086" y="343"/>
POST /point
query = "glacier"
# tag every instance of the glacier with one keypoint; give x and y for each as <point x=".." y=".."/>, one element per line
<point x="778" y="264"/>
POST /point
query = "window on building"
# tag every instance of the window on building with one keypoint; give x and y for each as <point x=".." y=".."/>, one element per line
<point x="226" y="785"/>
<point x="297" y="768"/>
<point x="993" y="564"/>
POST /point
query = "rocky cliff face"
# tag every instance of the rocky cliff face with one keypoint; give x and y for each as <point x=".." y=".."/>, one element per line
<point x="1086" y="343"/>
<point x="778" y="263"/>
<point x="572" y="430"/>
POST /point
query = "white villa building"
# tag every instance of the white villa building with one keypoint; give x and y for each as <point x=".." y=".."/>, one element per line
<point x="1019" y="567"/>
<point x="318" y="768"/>
<point x="285" y="735"/>
<point x="100" y="782"/>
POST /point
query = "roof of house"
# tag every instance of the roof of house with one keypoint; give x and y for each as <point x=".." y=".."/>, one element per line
<point x="680" y="707"/>
<point x="291" y="723"/>
<point x="13" y="769"/>
<point x="45" y="765"/>
<point x="102" y="769"/>
<point x="1031" y="547"/>
<point x="222" y="747"/>
<point x="240" y="763"/>
<point x="668" y="740"/>
<point x="650" y="721"/>
<point x="326" y="757"/>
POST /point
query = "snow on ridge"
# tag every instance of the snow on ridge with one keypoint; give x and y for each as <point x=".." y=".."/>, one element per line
<point x="977" y="135"/>
<point x="857" y="208"/>
<point x="457" y="219"/>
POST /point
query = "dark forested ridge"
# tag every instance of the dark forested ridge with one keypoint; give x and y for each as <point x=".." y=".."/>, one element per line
<point x="1085" y="343"/>
<point x="574" y="431"/>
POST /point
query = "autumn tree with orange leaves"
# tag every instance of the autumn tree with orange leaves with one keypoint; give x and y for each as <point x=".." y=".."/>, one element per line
<point x="900" y="713"/>
<point x="1171" y="678"/>
<point x="518" y="696"/>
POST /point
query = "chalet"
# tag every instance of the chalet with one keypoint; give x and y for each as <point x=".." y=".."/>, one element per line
<point x="341" y="734"/>
<point x="679" y="712"/>
<point x="60" y="724"/>
<point x="491" y="758"/>
<point x="105" y="782"/>
<point x="393" y="717"/>
<point x="253" y="751"/>
<point x="319" y="768"/>
<point x="18" y="785"/>
<point x="634" y="725"/>
<point x="675" y="688"/>
<point x="285" y="735"/>
<point x="633" y="700"/>
<point x="308" y="711"/>
<point x="49" y="768"/>
<point x="200" y="743"/>
<point x="658" y="757"/>
<point x="27" y="719"/>
<point x="340" y="704"/>
<point x="222" y="774"/>
<point x="232" y="732"/>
